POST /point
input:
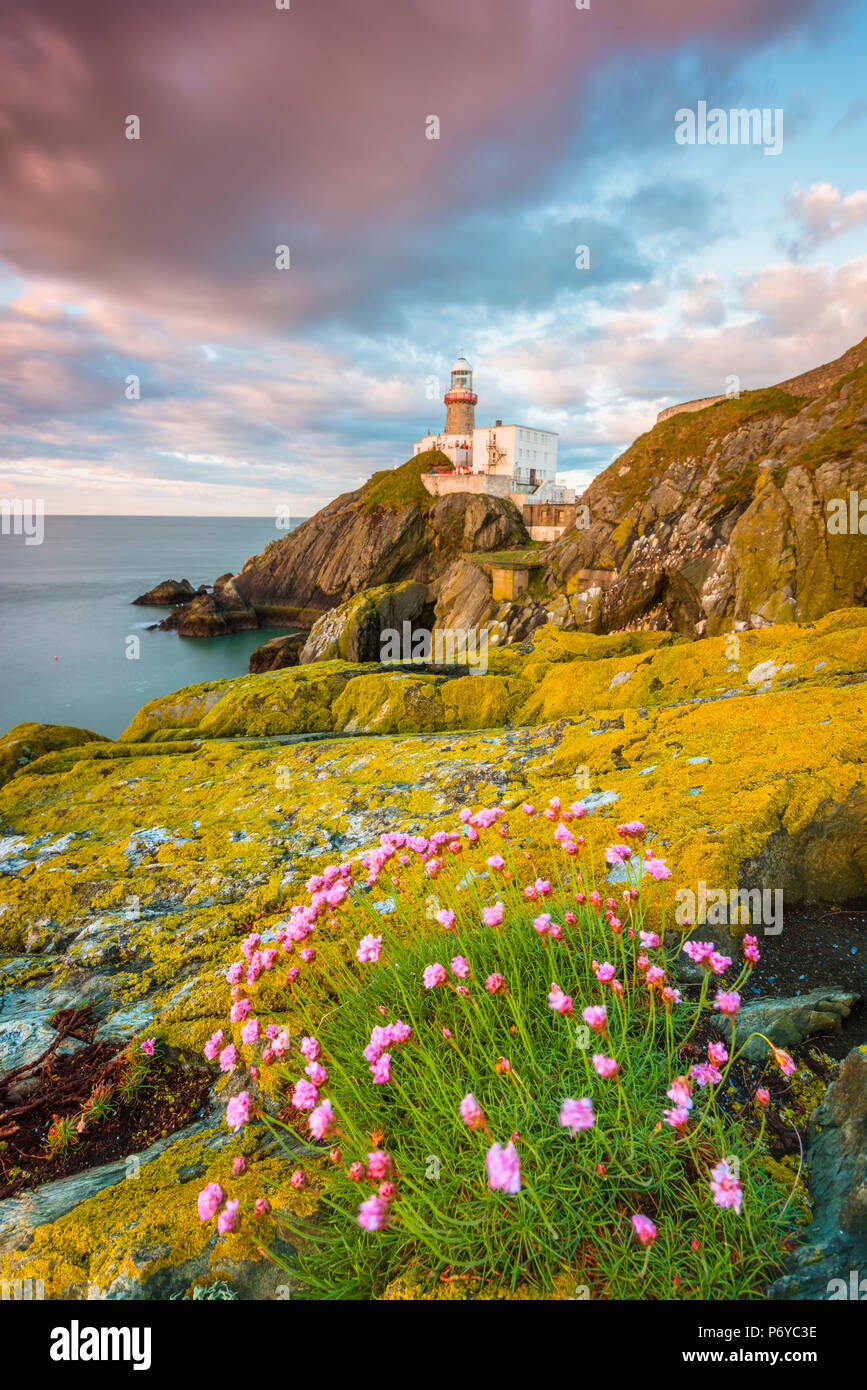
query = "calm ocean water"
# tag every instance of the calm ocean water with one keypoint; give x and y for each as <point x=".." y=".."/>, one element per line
<point x="71" y="598"/>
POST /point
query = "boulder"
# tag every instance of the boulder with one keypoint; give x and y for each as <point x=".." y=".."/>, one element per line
<point x="169" y="593"/>
<point x="832" y="1262"/>
<point x="787" y="1022"/>
<point x="278" y="653"/>
<point x="353" y="630"/>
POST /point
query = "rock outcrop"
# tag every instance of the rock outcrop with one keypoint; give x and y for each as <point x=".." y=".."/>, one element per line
<point x="277" y="654"/>
<point x="169" y="593"/>
<point x="831" y="1264"/>
<point x="213" y="614"/>
<point x="26" y="742"/>
<point x="729" y="516"/>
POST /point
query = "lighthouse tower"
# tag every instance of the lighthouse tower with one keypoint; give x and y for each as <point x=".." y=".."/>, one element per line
<point x="460" y="401"/>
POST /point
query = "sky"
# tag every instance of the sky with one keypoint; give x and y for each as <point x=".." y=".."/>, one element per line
<point x="156" y="360"/>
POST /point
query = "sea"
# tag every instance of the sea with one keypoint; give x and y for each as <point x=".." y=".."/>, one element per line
<point x="67" y="614"/>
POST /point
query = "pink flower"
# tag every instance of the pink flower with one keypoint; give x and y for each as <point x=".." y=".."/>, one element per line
<point x="655" y="975"/>
<point x="649" y="940"/>
<point x="783" y="1061"/>
<point x="317" y="1073"/>
<point x="446" y="917"/>
<point x="298" y="1179"/>
<point x="595" y="1017"/>
<point x="727" y="1002"/>
<point x="379" y="1165"/>
<point x="307" y="955"/>
<point x="577" y="1114"/>
<point x="229" y="1058"/>
<point x="434" y="975"/>
<point x="240" y="1010"/>
<point x="504" y="1169"/>
<point x="616" y="854"/>
<point x="227" y="1221"/>
<point x="605" y="1066"/>
<point x="239" y="1166"/>
<point x="677" y="1117"/>
<point x="472" y="1113"/>
<point x="369" y="948"/>
<point x="680" y="1092"/>
<point x="250" y="1031"/>
<point x="321" y="1121"/>
<point x="263" y="1206"/>
<point x="496" y="984"/>
<point x="212" y="1046"/>
<point x="632" y="827"/>
<point x="604" y="972"/>
<point x="311" y="1048"/>
<point x="355" y="1172"/>
<point x="460" y="967"/>
<point x="147" y="1046"/>
<point x="210" y="1200"/>
<point x="542" y="887"/>
<point x="699" y="952"/>
<point x="373" y="1214"/>
<point x="751" y="949"/>
<point x="725" y="1187"/>
<point x="719" y="964"/>
<point x="238" y="1110"/>
<point x="496" y="861"/>
<point x="381" y="1069"/>
<point x="558" y="1001"/>
<point x="305" y="1095"/>
<point x="657" y="868"/>
<point x="528" y="809"/>
<point x="705" y="1075"/>
<point x="644" y="1228"/>
<point x="493" y="916"/>
<point x="542" y="923"/>
<point x="763" y="1097"/>
<point x="718" y="1053"/>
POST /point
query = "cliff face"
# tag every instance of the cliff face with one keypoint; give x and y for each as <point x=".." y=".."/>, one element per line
<point x="389" y="531"/>
<point x="727" y="515"/>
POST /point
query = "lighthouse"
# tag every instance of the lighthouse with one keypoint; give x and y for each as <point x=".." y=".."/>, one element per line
<point x="460" y="400"/>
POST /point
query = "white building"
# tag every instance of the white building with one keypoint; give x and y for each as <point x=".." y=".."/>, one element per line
<point x="522" y="460"/>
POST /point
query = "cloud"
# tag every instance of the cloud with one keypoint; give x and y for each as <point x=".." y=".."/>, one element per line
<point x="824" y="213"/>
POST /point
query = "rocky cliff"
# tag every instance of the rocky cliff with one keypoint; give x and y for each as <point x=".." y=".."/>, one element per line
<point x="389" y="531"/>
<point x="739" y="513"/>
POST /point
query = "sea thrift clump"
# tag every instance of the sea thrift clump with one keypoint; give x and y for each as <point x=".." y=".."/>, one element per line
<point x="420" y="1102"/>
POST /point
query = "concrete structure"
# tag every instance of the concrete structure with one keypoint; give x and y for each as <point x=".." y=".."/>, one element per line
<point x="499" y="460"/>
